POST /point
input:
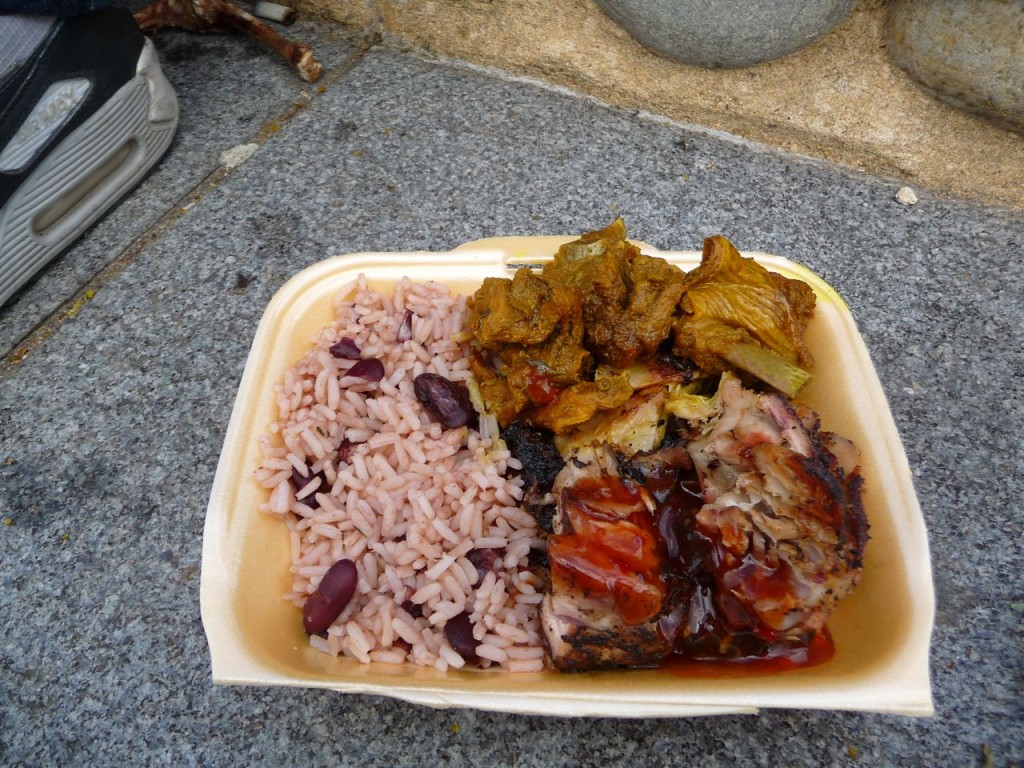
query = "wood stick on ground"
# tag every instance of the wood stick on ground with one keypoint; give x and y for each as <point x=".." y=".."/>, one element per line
<point x="225" y="16"/>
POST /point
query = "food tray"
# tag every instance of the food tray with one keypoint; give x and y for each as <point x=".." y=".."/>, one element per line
<point x="881" y="631"/>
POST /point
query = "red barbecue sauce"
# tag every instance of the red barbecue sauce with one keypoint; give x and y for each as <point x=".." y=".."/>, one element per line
<point x="541" y="389"/>
<point x="660" y="563"/>
<point x="817" y="650"/>
<point x="613" y="548"/>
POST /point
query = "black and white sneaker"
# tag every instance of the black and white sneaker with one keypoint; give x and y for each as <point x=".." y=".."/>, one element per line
<point x="85" y="112"/>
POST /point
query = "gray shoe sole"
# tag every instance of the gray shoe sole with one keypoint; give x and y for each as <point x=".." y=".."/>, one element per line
<point x="87" y="173"/>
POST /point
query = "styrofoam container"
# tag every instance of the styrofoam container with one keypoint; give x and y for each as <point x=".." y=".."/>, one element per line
<point x="881" y="631"/>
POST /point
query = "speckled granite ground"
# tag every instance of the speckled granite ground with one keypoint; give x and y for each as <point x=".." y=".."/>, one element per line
<point x="113" y="411"/>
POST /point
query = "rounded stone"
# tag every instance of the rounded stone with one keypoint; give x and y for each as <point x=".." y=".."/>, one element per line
<point x="726" y="33"/>
<point x="969" y="53"/>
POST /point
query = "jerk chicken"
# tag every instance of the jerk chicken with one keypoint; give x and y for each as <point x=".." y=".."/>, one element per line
<point x="782" y="513"/>
<point x="606" y="589"/>
<point x="692" y="507"/>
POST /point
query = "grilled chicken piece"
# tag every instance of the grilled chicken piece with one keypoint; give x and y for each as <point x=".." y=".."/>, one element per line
<point x="782" y="511"/>
<point x="605" y="593"/>
<point x="586" y="632"/>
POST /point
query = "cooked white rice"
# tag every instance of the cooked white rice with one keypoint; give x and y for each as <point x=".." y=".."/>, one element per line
<point x="412" y="501"/>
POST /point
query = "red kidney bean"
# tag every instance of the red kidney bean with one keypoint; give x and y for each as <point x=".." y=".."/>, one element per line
<point x="447" y="401"/>
<point x="458" y="630"/>
<point x="345" y="450"/>
<point x="300" y="481"/>
<point x="413" y="609"/>
<point x="483" y="560"/>
<point x="332" y="595"/>
<point x="405" y="329"/>
<point x="345" y="349"/>
<point x="370" y="369"/>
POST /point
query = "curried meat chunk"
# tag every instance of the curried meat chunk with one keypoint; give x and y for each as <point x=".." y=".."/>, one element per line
<point x="560" y="358"/>
<point x="523" y="310"/>
<point x="530" y="337"/>
<point x="596" y="269"/>
<point x="502" y="400"/>
<point x="656" y="287"/>
<point x="577" y="404"/>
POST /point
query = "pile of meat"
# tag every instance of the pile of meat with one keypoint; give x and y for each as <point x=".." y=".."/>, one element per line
<point x="693" y="508"/>
<point x="734" y="540"/>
